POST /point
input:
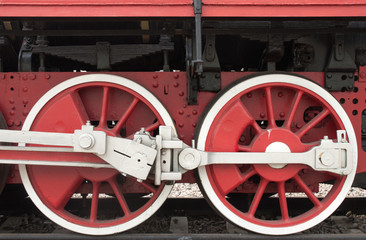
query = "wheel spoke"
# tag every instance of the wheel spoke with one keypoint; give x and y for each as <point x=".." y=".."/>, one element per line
<point x="104" y="110"/>
<point x="119" y="195"/>
<point x="257" y="197"/>
<point x="148" y="186"/>
<point x="312" y="123"/>
<point x="293" y="108"/>
<point x="271" y="118"/>
<point x="307" y="191"/>
<point x="125" y="116"/>
<point x="95" y="200"/>
<point x="282" y="199"/>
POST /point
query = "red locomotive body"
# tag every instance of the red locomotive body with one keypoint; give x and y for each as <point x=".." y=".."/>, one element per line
<point x="120" y="99"/>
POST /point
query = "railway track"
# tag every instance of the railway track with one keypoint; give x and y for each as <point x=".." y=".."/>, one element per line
<point x="177" y="219"/>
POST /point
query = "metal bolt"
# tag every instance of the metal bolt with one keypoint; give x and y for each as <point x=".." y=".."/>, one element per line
<point x="280" y="94"/>
<point x="155" y="76"/>
<point x="11" y="101"/>
<point x="176" y="76"/>
<point x="47" y="76"/>
<point x="298" y="125"/>
<point x="32" y="76"/>
<point x="329" y="86"/>
<point x="175" y="84"/>
<point x="25" y="101"/>
<point x="10" y="123"/>
<point x="86" y="141"/>
<point x="12" y="112"/>
<point x="25" y="77"/>
<point x="124" y="174"/>
<point x="181" y="125"/>
<point x="155" y="84"/>
<point x="88" y="123"/>
<point x="326" y="158"/>
<point x="181" y="137"/>
<point x="18" y="123"/>
<point x="25" y="112"/>
<point x="194" y="124"/>
<point x="181" y="112"/>
<point x="262" y="114"/>
<point x="350" y="75"/>
<point x="325" y="137"/>
<point x="194" y="112"/>
<point x="25" y="89"/>
<point x="282" y="114"/>
<point x="181" y="94"/>
<point x="350" y="87"/>
<point x="329" y="75"/>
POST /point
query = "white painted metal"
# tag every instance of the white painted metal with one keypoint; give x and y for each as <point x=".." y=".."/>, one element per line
<point x="101" y="78"/>
<point x="316" y="91"/>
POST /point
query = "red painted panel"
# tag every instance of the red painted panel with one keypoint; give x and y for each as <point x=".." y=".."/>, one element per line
<point x="181" y="8"/>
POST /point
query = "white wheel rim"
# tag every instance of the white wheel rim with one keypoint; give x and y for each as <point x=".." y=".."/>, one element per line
<point x="106" y="78"/>
<point x="237" y="89"/>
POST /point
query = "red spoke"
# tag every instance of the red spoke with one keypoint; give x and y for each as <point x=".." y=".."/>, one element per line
<point x="282" y="199"/>
<point x="94" y="204"/>
<point x="148" y="186"/>
<point x="125" y="116"/>
<point x="312" y="123"/>
<point x="307" y="191"/>
<point x="120" y="197"/>
<point x="152" y="127"/>
<point x="258" y="196"/>
<point x="271" y="118"/>
<point x="104" y="111"/>
<point x="293" y="108"/>
<point x="244" y="148"/>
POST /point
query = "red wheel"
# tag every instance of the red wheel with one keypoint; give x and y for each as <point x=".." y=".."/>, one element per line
<point x="272" y="113"/>
<point x="120" y="108"/>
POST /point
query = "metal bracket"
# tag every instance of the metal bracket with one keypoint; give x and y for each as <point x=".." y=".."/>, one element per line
<point x="339" y="74"/>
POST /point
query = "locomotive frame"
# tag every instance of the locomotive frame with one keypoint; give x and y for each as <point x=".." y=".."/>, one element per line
<point x="275" y="80"/>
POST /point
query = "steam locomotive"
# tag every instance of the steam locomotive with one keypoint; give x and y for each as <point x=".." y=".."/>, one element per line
<point x="119" y="100"/>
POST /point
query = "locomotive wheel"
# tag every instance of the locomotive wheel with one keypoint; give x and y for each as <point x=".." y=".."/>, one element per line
<point x="272" y="113"/>
<point x="111" y="202"/>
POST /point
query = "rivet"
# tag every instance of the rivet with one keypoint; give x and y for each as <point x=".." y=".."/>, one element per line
<point x="32" y="76"/>
<point x="12" y="112"/>
<point x="11" y="101"/>
<point x="185" y="105"/>
<point x="282" y="114"/>
<point x="194" y="124"/>
<point x="18" y="123"/>
<point x="25" y="77"/>
<point x="249" y="95"/>
<point x="194" y="112"/>
<point x="242" y="139"/>
<point x="329" y="86"/>
<point x="2" y="76"/>
<point x="362" y="75"/>
<point x="175" y="84"/>
<point x="25" y="89"/>
<point x="155" y="76"/>
<point x="155" y="84"/>
<point x="176" y="76"/>
<point x="181" y="112"/>
<point x="181" y="94"/>
<point x="25" y="112"/>
<point x="298" y="125"/>
<point x="280" y="94"/>
<point x="47" y="76"/>
<point x="262" y="114"/>
<point x="329" y="75"/>
<point x="181" y="137"/>
<point x="181" y="125"/>
<point x="10" y="123"/>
